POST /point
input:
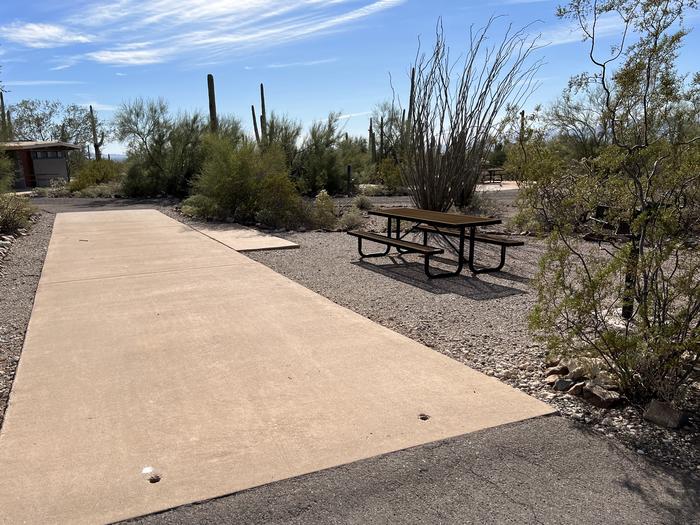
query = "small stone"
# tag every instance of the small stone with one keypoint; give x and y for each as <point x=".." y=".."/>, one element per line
<point x="663" y="414"/>
<point x="552" y="360"/>
<point x="551" y="379"/>
<point x="576" y="390"/>
<point x="5" y="243"/>
<point x="596" y="395"/>
<point x="562" y="384"/>
<point x="576" y="374"/>
<point x="559" y="369"/>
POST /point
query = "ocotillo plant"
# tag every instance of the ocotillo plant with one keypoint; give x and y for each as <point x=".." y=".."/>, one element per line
<point x="97" y="143"/>
<point x="213" y="119"/>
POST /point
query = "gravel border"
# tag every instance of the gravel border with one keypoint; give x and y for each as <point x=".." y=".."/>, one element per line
<point x="20" y="270"/>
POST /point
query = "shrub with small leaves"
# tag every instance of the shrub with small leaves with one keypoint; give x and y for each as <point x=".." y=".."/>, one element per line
<point x="15" y="212"/>
<point x="324" y="211"/>
<point x="92" y="173"/>
<point x="352" y="219"/>
<point x="201" y="206"/>
<point x="362" y="202"/>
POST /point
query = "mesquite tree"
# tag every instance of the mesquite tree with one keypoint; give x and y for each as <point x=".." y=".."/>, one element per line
<point x="454" y="108"/>
<point x="634" y="299"/>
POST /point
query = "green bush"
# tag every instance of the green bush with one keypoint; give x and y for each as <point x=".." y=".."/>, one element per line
<point x="352" y="219"/>
<point x="7" y="172"/>
<point x="229" y="177"/>
<point x="95" y="172"/>
<point x="142" y="180"/>
<point x="390" y="175"/>
<point x="278" y="204"/>
<point x="201" y="206"/>
<point x="15" y="212"/>
<point x="362" y="202"/>
<point x="105" y="190"/>
<point x="324" y="211"/>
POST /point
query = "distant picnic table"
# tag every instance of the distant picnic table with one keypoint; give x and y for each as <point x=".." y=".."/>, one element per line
<point x="446" y="225"/>
<point x="491" y="174"/>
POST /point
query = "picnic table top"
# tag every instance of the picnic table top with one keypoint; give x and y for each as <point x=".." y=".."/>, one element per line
<point x="436" y="218"/>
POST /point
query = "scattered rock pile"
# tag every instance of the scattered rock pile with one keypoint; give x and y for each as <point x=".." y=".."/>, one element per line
<point x="584" y="377"/>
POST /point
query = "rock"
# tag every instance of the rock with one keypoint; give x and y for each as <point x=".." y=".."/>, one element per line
<point x="576" y="390"/>
<point x="5" y="243"/>
<point x="552" y="360"/>
<point x="663" y="414"/>
<point x="598" y="396"/>
<point x="576" y="374"/>
<point x="551" y="379"/>
<point x="559" y="370"/>
<point x="562" y="384"/>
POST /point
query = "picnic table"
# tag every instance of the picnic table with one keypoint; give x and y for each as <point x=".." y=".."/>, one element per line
<point x="492" y="173"/>
<point x="446" y="225"/>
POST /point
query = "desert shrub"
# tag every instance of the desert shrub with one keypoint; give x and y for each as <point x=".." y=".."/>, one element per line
<point x="7" y="172"/>
<point x="632" y="300"/>
<point x="142" y="180"/>
<point x="319" y="165"/>
<point x="105" y="190"/>
<point x="324" y="211"/>
<point x="201" y="206"/>
<point x="362" y="202"/>
<point x="15" y="212"/>
<point x="278" y="204"/>
<point x="390" y="175"/>
<point x="95" y="172"/>
<point x="351" y="219"/>
<point x="165" y="152"/>
<point x="228" y="177"/>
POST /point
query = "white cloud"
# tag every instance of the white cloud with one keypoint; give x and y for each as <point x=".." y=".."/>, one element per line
<point x="204" y="30"/>
<point x="42" y="35"/>
<point x="348" y="116"/>
<point x="98" y="106"/>
<point x="606" y="26"/>
<point x="304" y="63"/>
<point x="42" y="82"/>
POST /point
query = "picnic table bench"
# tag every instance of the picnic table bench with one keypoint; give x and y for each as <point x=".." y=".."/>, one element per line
<point x="443" y="224"/>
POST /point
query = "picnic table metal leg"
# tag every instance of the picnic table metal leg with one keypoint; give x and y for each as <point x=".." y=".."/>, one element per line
<point x="460" y="259"/>
<point x="472" y="267"/>
<point x="363" y="255"/>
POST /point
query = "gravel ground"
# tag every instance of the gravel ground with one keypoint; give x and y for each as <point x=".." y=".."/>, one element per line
<point x="480" y="321"/>
<point x="20" y="270"/>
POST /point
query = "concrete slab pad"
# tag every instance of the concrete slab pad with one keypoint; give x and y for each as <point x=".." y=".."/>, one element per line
<point x="243" y="239"/>
<point x="221" y="377"/>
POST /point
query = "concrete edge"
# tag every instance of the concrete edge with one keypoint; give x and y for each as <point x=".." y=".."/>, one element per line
<point x="553" y="413"/>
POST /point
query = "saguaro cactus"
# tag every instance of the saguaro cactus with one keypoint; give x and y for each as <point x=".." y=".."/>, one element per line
<point x="97" y="143"/>
<point x="3" y="120"/>
<point x="255" y="124"/>
<point x="263" y="114"/>
<point x="372" y="144"/>
<point x="213" y="119"/>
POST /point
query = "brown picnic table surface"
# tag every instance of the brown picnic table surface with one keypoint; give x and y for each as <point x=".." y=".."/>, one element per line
<point x="444" y="224"/>
<point x="435" y="218"/>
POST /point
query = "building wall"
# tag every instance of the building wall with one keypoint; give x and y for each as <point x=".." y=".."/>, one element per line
<point x="45" y="170"/>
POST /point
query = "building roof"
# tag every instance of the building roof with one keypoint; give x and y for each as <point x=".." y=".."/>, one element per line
<point x="38" y="145"/>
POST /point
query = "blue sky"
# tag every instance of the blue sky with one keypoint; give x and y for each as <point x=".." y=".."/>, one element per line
<point x="313" y="55"/>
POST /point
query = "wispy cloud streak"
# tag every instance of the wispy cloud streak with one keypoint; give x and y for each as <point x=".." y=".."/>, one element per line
<point x="195" y="30"/>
